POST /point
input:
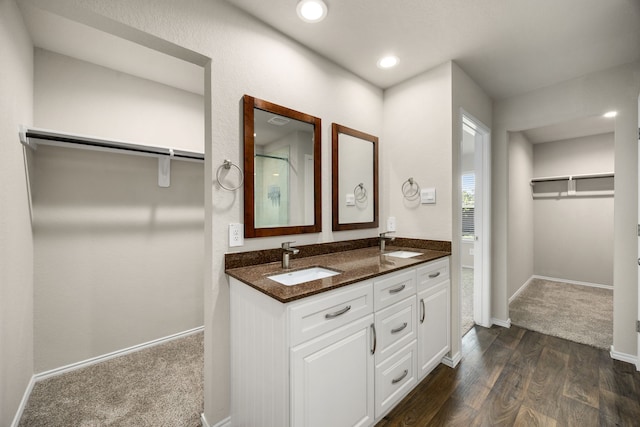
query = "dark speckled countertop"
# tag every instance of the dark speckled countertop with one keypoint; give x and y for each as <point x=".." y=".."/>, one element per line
<point x="354" y="266"/>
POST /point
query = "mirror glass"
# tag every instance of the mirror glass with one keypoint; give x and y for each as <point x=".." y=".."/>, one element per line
<point x="355" y="179"/>
<point x="282" y="170"/>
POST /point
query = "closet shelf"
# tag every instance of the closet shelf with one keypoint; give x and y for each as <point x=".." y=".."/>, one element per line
<point x="572" y="189"/>
<point x="33" y="137"/>
<point x="572" y="177"/>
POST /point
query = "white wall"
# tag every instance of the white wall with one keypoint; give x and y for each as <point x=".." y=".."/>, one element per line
<point x="79" y="97"/>
<point x="521" y="230"/>
<point x="593" y="94"/>
<point x="573" y="235"/>
<point x="417" y="144"/>
<point x="16" y="248"/>
<point x="118" y="260"/>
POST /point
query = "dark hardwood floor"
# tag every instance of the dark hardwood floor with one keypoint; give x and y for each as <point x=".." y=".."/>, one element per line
<point x="516" y="377"/>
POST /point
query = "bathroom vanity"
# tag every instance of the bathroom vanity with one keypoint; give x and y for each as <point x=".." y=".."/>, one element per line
<point x="341" y="350"/>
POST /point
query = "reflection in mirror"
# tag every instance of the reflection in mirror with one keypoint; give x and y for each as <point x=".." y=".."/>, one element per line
<point x="282" y="170"/>
<point x="355" y="179"/>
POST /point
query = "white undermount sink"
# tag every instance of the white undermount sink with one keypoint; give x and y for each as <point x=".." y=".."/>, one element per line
<point x="302" y="276"/>
<point x="403" y="254"/>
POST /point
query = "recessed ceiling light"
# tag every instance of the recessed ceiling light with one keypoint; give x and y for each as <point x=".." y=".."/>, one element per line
<point x="311" y="10"/>
<point x="388" y="62"/>
<point x="610" y="114"/>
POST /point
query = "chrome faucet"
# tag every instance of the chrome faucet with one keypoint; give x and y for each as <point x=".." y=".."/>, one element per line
<point x="384" y="238"/>
<point x="286" y="252"/>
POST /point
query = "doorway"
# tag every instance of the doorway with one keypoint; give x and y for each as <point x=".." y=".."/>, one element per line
<point x="474" y="210"/>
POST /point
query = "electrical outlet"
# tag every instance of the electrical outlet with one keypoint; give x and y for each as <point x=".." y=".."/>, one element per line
<point x="391" y="223"/>
<point x="236" y="234"/>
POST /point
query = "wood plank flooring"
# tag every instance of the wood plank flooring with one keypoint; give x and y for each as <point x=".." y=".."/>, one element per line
<point x="517" y="377"/>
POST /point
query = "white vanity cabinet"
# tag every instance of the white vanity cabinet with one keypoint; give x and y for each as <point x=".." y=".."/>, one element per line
<point x="340" y="358"/>
<point x="304" y="363"/>
<point x="434" y="318"/>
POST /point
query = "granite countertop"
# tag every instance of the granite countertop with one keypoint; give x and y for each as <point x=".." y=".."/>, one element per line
<point x="354" y="265"/>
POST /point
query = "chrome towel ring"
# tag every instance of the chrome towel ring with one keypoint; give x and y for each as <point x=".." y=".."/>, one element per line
<point x="226" y="165"/>
<point x="411" y="189"/>
<point x="360" y="193"/>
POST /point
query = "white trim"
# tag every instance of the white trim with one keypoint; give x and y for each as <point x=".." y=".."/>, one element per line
<point x="223" y="423"/>
<point x="572" y="282"/>
<point x="88" y="362"/>
<point x="23" y="402"/>
<point x="623" y="357"/>
<point x="500" y="322"/>
<point x="521" y="289"/>
<point x="452" y="362"/>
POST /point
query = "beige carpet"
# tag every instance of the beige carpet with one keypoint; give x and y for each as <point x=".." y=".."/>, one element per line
<point x="158" y="386"/>
<point x="466" y="316"/>
<point x="578" y="313"/>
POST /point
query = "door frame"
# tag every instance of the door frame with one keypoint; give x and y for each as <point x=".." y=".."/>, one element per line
<point x="482" y="212"/>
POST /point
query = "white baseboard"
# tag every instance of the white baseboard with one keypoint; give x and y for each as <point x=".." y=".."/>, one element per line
<point x="23" y="402"/>
<point x="624" y="357"/>
<point x="522" y="288"/>
<point x="500" y="322"/>
<point x="84" y="363"/>
<point x="224" y="423"/>
<point x="452" y="362"/>
<point x="572" y="282"/>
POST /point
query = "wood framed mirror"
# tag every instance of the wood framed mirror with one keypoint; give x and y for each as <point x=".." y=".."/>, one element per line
<point x="354" y="179"/>
<point x="282" y="166"/>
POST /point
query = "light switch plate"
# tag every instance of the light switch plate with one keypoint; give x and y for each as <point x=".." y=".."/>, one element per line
<point x="351" y="200"/>
<point x="236" y="234"/>
<point x="428" y="196"/>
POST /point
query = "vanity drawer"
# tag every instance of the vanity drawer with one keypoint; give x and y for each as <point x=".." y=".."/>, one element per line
<point x="433" y="273"/>
<point x="395" y="327"/>
<point x="392" y="288"/>
<point x="395" y="377"/>
<point x="318" y="314"/>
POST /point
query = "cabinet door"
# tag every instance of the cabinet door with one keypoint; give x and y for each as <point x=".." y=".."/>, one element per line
<point x="332" y="378"/>
<point x="433" y="327"/>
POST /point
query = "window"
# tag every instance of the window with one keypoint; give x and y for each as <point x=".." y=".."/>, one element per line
<point x="468" y="205"/>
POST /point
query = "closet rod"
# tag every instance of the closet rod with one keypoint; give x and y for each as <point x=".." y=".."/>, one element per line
<point x="32" y="137"/>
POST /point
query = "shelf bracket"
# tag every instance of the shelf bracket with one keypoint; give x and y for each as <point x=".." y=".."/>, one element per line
<point x="164" y="172"/>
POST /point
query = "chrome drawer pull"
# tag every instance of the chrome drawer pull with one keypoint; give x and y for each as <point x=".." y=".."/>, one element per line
<point x="399" y="328"/>
<point x="423" y="310"/>
<point x="434" y="275"/>
<point x="396" y="290"/>
<point x="337" y="313"/>
<point x="375" y="338"/>
<point x="400" y="378"/>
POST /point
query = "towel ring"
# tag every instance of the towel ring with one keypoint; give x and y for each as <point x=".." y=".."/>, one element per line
<point x="411" y="189"/>
<point x="360" y="193"/>
<point x="227" y="165"/>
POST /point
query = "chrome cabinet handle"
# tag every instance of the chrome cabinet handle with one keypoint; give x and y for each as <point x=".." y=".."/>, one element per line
<point x="337" y="313"/>
<point x="422" y="309"/>
<point x="400" y="378"/>
<point x="399" y="328"/>
<point x="396" y="290"/>
<point x="375" y="338"/>
<point x="434" y="275"/>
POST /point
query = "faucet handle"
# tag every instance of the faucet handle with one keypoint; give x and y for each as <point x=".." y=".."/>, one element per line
<point x="285" y="245"/>
<point x="384" y="233"/>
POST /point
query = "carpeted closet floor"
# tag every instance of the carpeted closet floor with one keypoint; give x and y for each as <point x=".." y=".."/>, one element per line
<point x="578" y="313"/>
<point x="466" y="315"/>
<point x="157" y="386"/>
